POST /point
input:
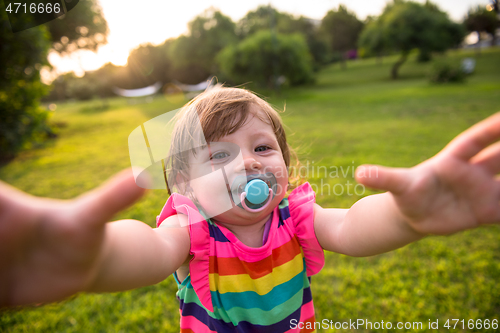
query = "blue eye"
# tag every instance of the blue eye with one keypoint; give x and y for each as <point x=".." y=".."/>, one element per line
<point x="219" y="155"/>
<point x="261" y="148"/>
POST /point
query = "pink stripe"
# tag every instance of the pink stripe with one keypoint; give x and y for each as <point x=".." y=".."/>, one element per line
<point x="178" y="204"/>
<point x="301" y="205"/>
<point x="200" y="263"/>
<point x="190" y="322"/>
<point x="226" y="249"/>
<point x="306" y="313"/>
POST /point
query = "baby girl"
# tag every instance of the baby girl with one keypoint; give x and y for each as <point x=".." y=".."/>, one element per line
<point x="241" y="242"/>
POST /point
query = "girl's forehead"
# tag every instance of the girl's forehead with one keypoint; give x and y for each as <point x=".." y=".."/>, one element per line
<point x="253" y="126"/>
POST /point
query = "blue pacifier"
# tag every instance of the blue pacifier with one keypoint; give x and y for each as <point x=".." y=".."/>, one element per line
<point x="257" y="191"/>
<point x="253" y="193"/>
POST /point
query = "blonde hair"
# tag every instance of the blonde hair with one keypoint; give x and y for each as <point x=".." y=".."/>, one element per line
<point x="220" y="111"/>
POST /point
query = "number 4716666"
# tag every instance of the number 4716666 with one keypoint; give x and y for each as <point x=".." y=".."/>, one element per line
<point x="35" y="8"/>
<point x="472" y="324"/>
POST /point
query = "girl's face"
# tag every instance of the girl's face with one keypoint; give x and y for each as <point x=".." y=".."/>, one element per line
<point x="252" y="149"/>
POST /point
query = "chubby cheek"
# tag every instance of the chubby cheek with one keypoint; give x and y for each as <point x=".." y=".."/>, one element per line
<point x="281" y="174"/>
<point x="282" y="181"/>
<point x="212" y="194"/>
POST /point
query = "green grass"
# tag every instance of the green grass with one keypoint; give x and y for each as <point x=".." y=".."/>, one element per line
<point x="348" y="118"/>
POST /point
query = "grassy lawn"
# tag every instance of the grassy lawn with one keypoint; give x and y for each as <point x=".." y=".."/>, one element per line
<point x="346" y="119"/>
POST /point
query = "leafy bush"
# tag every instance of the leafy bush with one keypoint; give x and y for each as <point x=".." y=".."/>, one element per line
<point x="265" y="59"/>
<point x="267" y="17"/>
<point x="22" y="54"/>
<point x="406" y="25"/>
<point x="446" y="71"/>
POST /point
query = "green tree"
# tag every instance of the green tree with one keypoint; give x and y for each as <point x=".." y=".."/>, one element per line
<point x="266" y="59"/>
<point x="342" y="29"/>
<point x="149" y="64"/>
<point x="480" y="20"/>
<point x="317" y="46"/>
<point x="269" y="19"/>
<point x="59" y="87"/>
<point x="98" y="83"/>
<point x="146" y="65"/>
<point x="372" y="38"/>
<point x="193" y="55"/>
<point x="83" y="27"/>
<point x="405" y="25"/>
<point x="264" y="18"/>
<point x="22" y="55"/>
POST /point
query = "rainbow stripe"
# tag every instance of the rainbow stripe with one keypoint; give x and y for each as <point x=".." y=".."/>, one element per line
<point x="235" y="288"/>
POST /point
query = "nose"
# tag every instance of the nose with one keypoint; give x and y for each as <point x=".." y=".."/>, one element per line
<point x="249" y="164"/>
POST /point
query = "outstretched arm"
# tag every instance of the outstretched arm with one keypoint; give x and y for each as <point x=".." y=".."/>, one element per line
<point x="51" y="249"/>
<point x="455" y="190"/>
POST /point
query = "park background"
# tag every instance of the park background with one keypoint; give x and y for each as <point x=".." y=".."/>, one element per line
<point x="339" y="112"/>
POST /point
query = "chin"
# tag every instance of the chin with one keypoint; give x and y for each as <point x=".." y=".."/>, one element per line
<point x="239" y="216"/>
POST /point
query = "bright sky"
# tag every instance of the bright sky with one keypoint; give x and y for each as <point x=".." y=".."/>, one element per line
<point x="132" y="23"/>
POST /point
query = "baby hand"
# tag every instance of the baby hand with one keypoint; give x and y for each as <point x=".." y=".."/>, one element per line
<point x="455" y="190"/>
<point x="49" y="248"/>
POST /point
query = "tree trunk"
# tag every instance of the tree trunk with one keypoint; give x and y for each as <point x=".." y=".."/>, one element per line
<point x="395" y="67"/>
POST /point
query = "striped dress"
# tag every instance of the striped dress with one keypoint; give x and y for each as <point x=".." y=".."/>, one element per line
<point x="235" y="288"/>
